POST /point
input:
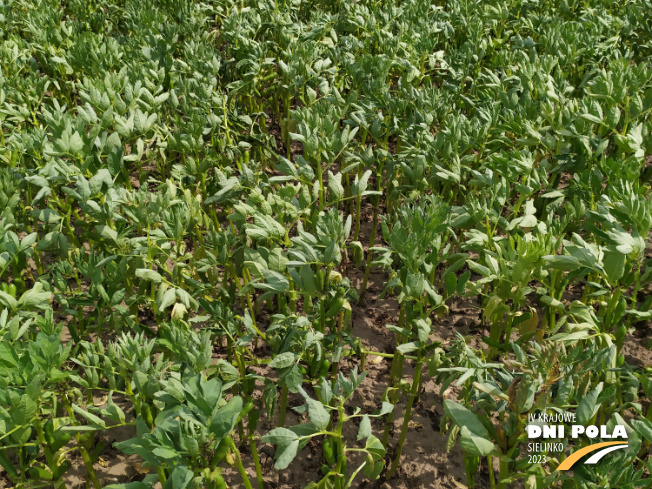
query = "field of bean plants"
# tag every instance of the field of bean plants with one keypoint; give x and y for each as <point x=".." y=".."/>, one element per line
<point x="324" y="244"/>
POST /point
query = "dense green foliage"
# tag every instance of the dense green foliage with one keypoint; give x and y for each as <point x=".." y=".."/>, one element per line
<point x="184" y="188"/>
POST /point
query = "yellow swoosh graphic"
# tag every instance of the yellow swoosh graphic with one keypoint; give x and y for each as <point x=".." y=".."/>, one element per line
<point x="570" y="461"/>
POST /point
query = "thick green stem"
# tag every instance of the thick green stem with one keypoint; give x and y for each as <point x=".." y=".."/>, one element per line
<point x="322" y="314"/>
<point x="250" y="305"/>
<point x="161" y="476"/>
<point x="492" y="477"/>
<point x="88" y="463"/>
<point x="395" y="374"/>
<point x="367" y="268"/>
<point x="358" y="204"/>
<point x="503" y="474"/>
<point x="288" y="140"/>
<point x="293" y="302"/>
<point x="392" y="398"/>
<point x="238" y="462"/>
<point x="406" y="420"/>
<point x="336" y="365"/>
<point x="320" y="178"/>
<point x="254" y="455"/>
<point x="470" y="472"/>
<point x="341" y="454"/>
<point x="283" y="406"/>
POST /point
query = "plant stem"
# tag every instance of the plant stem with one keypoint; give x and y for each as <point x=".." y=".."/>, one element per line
<point x="386" y="355"/>
<point x="492" y="478"/>
<point x="392" y="397"/>
<point x="336" y="365"/>
<point x="161" y="475"/>
<point x="396" y="372"/>
<point x="238" y="462"/>
<point x="367" y="268"/>
<point x="341" y="454"/>
<point x="470" y="473"/>
<point x="503" y="474"/>
<point x="358" y="204"/>
<point x="320" y="178"/>
<point x="406" y="420"/>
<point x="88" y="463"/>
<point x="254" y="455"/>
<point x="283" y="406"/>
<point x="322" y="313"/>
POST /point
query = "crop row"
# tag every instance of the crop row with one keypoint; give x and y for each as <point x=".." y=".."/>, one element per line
<point x="193" y="196"/>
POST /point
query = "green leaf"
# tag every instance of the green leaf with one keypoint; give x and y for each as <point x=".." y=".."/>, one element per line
<point x="35" y="297"/>
<point x="285" y="454"/>
<point x="24" y="411"/>
<point x="76" y="144"/>
<point x="475" y="445"/>
<point x="372" y="467"/>
<point x="308" y="279"/>
<point x="406" y="348"/>
<point x="561" y="262"/>
<point x="225" y="418"/>
<point x="8" y="301"/>
<point x="570" y="337"/>
<point x="364" y="431"/>
<point x="91" y="418"/>
<point x="277" y="260"/>
<point x="168" y="299"/>
<point x="462" y="417"/>
<point x="48" y="216"/>
<point x="318" y="415"/>
<point x="386" y="408"/>
<point x="116" y="413"/>
<point x="265" y="227"/>
<point x="451" y="283"/>
<point x="129" y="485"/>
<point x="360" y="185"/>
<point x="48" y="241"/>
<point x="100" y="179"/>
<point x="614" y="265"/>
<point x="107" y="233"/>
<point x="165" y="453"/>
<point x="283" y="360"/>
<point x="335" y="185"/>
<point x="639" y="314"/>
<point x="552" y="302"/>
<point x="492" y="389"/>
<point x="286" y="167"/>
<point x="115" y="161"/>
<point x="28" y="241"/>
<point x="280" y="436"/>
<point x="8" y="355"/>
<point x="292" y="377"/>
<point x="643" y="427"/>
<point x="589" y="406"/>
<point x="374" y="446"/>
<point x="275" y="282"/>
<point x="305" y="429"/>
<point x="80" y="428"/>
<point x="147" y="274"/>
<point x="179" y="478"/>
